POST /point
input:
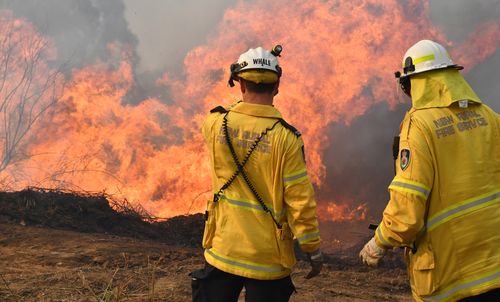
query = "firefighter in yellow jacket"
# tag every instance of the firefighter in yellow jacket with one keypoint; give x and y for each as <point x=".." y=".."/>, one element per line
<point x="445" y="198"/>
<point x="262" y="194"/>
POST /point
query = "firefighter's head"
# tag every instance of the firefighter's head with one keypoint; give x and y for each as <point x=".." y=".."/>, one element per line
<point x="257" y="70"/>
<point x="424" y="56"/>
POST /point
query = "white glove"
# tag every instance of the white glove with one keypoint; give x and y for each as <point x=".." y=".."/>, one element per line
<point x="371" y="253"/>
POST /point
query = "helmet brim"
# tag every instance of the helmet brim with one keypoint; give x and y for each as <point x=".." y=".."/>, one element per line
<point x="259" y="76"/>
<point x="455" y="66"/>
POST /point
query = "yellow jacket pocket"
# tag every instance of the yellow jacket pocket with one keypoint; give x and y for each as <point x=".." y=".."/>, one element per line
<point x="284" y="237"/>
<point x="209" y="232"/>
<point x="422" y="272"/>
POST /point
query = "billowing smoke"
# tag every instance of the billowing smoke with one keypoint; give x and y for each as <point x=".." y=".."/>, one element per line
<point x="169" y="59"/>
<point x="81" y="29"/>
<point x="459" y="18"/>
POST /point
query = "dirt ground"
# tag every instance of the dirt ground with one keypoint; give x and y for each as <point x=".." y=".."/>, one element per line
<point x="44" y="264"/>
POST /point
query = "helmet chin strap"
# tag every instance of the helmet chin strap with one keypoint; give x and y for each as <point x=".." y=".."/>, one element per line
<point x="235" y="68"/>
<point x="404" y="83"/>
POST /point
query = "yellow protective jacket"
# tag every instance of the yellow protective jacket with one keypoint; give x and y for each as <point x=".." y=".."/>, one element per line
<point x="240" y="237"/>
<point x="445" y="197"/>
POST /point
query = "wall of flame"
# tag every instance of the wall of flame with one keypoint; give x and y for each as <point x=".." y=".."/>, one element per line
<point x="338" y="62"/>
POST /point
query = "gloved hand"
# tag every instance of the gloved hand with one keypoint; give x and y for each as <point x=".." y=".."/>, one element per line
<point x="316" y="261"/>
<point x="371" y="253"/>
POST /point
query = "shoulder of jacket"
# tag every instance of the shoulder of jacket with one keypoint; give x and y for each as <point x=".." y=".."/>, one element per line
<point x="218" y="109"/>
<point x="404" y="128"/>
<point x="290" y="127"/>
<point x="420" y="117"/>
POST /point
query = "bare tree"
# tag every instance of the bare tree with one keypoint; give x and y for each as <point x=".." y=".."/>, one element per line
<point x="28" y="85"/>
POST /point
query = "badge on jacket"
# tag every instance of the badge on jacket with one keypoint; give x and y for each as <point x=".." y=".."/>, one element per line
<point x="404" y="159"/>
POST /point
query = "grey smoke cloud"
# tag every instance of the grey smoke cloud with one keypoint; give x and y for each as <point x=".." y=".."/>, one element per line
<point x="458" y="19"/>
<point x="81" y="29"/>
<point x="359" y="163"/>
<point x="168" y="29"/>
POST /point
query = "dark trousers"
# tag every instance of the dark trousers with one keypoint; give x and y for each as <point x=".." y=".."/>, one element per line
<point x="213" y="285"/>
<point x="492" y="295"/>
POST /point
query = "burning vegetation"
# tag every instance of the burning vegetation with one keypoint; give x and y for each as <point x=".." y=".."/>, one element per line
<point x="88" y="135"/>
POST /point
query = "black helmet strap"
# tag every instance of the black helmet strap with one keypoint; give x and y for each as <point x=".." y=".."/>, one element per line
<point x="404" y="83"/>
<point x="409" y="66"/>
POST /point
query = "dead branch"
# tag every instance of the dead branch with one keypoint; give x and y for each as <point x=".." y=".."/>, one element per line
<point x="28" y="86"/>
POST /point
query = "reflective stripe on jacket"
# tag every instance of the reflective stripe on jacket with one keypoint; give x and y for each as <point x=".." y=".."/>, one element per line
<point x="445" y="197"/>
<point x="240" y="237"/>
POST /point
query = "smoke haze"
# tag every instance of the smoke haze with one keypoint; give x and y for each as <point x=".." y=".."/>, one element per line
<point x="81" y="29"/>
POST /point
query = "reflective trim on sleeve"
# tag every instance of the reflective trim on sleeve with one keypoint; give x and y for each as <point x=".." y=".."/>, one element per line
<point x="295" y="177"/>
<point x="463" y="208"/>
<point x="243" y="264"/>
<point x="250" y="205"/>
<point x="308" y="237"/>
<point x="455" y="289"/>
<point x="409" y="186"/>
<point x="381" y="237"/>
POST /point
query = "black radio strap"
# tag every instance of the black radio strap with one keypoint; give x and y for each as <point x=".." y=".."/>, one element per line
<point x="241" y="164"/>
<point x="395" y="151"/>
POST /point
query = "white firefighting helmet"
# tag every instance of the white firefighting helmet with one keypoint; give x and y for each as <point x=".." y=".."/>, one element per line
<point x="426" y="55"/>
<point x="257" y="65"/>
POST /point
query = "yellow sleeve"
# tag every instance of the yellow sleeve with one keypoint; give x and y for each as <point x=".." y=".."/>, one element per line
<point x="404" y="215"/>
<point x="207" y="127"/>
<point x="299" y="198"/>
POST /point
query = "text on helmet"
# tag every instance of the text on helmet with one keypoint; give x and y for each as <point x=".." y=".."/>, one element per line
<point x="262" y="62"/>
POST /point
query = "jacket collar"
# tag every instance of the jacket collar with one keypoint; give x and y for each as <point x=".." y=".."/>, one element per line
<point x="256" y="110"/>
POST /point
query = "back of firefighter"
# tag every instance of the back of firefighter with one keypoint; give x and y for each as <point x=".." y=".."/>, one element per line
<point x="445" y="198"/>
<point x="260" y="206"/>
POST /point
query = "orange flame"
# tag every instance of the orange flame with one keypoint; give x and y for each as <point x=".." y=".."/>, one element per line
<point x="338" y="60"/>
<point x="333" y="211"/>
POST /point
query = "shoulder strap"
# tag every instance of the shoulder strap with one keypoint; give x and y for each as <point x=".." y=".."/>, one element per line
<point x="290" y="127"/>
<point x="219" y="109"/>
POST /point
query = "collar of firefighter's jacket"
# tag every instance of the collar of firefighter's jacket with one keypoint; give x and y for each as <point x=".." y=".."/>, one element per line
<point x="256" y="110"/>
<point x="440" y="88"/>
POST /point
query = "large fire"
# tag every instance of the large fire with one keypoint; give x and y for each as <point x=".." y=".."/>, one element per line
<point x="338" y="61"/>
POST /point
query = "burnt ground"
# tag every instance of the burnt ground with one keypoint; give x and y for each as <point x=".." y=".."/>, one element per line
<point x="62" y="246"/>
<point x="97" y="213"/>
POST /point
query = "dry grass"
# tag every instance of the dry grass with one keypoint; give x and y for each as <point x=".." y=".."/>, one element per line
<point x="52" y="265"/>
<point x="38" y="264"/>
